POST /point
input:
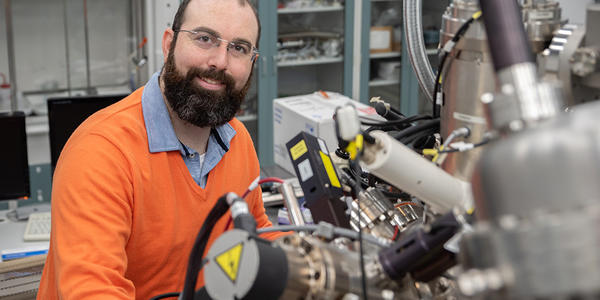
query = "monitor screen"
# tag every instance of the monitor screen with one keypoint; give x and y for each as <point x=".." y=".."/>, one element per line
<point x="65" y="115"/>
<point x="14" y="167"/>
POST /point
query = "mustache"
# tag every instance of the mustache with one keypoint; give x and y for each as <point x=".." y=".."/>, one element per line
<point x="211" y="74"/>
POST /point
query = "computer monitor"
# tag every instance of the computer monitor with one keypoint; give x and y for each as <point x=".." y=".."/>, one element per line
<point x="14" y="166"/>
<point x="66" y="114"/>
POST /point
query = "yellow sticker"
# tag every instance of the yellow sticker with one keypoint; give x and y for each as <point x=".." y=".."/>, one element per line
<point x="330" y="170"/>
<point x="229" y="261"/>
<point x="298" y="150"/>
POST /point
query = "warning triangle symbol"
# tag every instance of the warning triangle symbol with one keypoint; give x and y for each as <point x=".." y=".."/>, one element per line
<point x="229" y="261"/>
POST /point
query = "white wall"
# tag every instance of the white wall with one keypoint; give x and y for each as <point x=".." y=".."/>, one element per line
<point x="574" y="10"/>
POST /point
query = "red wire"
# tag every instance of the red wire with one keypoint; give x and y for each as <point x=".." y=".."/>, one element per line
<point x="395" y="233"/>
<point x="270" y="179"/>
<point x="405" y="203"/>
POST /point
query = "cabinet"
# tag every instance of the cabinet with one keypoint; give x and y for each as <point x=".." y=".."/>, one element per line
<point x="388" y="74"/>
<point x="304" y="46"/>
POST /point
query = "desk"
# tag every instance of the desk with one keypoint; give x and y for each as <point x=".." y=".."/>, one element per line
<point x="11" y="233"/>
<point x="11" y="237"/>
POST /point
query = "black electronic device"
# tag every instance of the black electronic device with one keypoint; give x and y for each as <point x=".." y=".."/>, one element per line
<point x="66" y="114"/>
<point x="14" y="166"/>
<point x="318" y="179"/>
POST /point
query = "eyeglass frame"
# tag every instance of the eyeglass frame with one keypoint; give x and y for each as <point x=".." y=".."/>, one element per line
<point x="253" y="49"/>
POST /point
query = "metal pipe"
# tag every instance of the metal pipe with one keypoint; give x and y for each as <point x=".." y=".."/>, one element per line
<point x="415" y="44"/>
<point x="291" y="203"/>
<point x="12" y="73"/>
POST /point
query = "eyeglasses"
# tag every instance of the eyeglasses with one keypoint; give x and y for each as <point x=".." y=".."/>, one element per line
<point x="207" y="40"/>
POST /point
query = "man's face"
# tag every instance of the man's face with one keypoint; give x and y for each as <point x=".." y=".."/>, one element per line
<point x="205" y="87"/>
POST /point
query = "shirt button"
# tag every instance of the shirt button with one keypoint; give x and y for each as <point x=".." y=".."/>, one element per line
<point x="192" y="155"/>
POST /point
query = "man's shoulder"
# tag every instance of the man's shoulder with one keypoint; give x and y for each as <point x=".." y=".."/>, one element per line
<point x="240" y="128"/>
<point x="122" y="117"/>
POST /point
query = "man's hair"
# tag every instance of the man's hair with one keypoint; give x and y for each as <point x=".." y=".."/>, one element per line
<point x="178" y="20"/>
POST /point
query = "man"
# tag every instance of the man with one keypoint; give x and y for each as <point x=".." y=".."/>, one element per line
<point x="136" y="180"/>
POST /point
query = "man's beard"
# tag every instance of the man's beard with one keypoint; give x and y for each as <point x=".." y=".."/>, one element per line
<point x="199" y="106"/>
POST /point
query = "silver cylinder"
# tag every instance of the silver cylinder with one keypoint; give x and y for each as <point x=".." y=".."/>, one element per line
<point x="291" y="203"/>
<point x="319" y="270"/>
<point x="378" y="216"/>
<point x="536" y="196"/>
<point x="468" y="74"/>
<point x="524" y="80"/>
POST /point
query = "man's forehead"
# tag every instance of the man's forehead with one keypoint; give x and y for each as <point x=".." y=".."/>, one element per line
<point x="232" y="19"/>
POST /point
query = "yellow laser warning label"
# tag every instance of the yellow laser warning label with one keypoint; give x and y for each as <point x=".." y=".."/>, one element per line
<point x="298" y="150"/>
<point x="229" y="261"/>
<point x="329" y="169"/>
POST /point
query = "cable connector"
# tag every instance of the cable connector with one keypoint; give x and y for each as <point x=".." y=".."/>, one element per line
<point x="325" y="230"/>
<point x="462" y="132"/>
<point x="449" y="46"/>
<point x="462" y="146"/>
<point x="347" y="123"/>
<point x="240" y="213"/>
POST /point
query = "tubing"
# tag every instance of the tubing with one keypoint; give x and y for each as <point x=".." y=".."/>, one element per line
<point x="413" y="32"/>
<point x="291" y="203"/>
<point x="505" y="32"/>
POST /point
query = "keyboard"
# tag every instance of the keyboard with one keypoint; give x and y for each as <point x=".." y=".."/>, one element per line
<point x="38" y="227"/>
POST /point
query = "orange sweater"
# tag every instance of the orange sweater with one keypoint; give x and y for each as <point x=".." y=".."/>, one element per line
<point x="123" y="219"/>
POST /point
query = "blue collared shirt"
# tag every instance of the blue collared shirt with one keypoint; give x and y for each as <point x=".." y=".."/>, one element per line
<point x="161" y="136"/>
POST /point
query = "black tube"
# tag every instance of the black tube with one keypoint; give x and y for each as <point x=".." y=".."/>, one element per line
<point x="416" y="128"/>
<point x="202" y="294"/>
<point x="387" y="113"/>
<point x="505" y="32"/>
<point x="406" y="254"/>
<point x="195" y="261"/>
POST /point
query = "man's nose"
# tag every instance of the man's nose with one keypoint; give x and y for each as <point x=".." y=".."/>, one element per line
<point x="219" y="57"/>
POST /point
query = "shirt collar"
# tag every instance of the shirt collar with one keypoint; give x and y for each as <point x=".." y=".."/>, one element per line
<point x="161" y="136"/>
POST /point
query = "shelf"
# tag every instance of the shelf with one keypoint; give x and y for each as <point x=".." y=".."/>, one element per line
<point x="309" y="9"/>
<point x="385" y="55"/>
<point x="383" y="82"/>
<point x="317" y="61"/>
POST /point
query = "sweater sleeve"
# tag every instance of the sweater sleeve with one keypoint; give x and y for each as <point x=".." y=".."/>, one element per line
<point x="91" y="221"/>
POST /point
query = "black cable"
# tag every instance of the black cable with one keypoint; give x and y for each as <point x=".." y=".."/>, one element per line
<point x="396" y="111"/>
<point x="368" y="138"/>
<point x="421" y="140"/>
<point x="401" y="195"/>
<point x="436" y="85"/>
<point x="360" y="237"/>
<point x="445" y="52"/>
<point x="417" y="128"/>
<point x="166" y="295"/>
<point x="195" y="262"/>
<point x="384" y="110"/>
<point x="412" y="139"/>
<point x="397" y="122"/>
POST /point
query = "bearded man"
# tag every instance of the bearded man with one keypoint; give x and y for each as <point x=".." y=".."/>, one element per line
<point x="136" y="180"/>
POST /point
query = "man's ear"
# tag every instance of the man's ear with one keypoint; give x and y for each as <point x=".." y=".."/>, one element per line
<point x="166" y="42"/>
